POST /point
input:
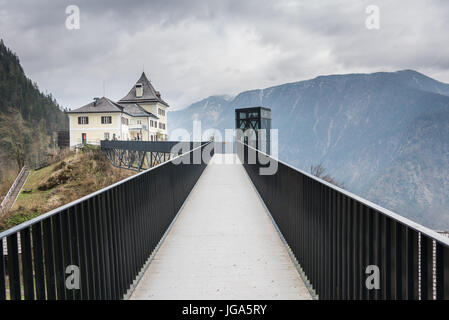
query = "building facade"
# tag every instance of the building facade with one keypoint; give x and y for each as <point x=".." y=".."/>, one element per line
<point x="140" y="115"/>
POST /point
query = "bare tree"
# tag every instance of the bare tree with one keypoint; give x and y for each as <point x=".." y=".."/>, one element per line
<point x="320" y="171"/>
<point x="14" y="136"/>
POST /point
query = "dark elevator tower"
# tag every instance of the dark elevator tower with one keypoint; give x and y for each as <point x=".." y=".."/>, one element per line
<point x="255" y="118"/>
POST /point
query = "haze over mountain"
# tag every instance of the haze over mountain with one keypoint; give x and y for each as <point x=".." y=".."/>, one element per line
<point x="384" y="135"/>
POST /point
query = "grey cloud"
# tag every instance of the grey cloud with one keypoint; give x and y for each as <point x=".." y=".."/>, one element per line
<point x="193" y="49"/>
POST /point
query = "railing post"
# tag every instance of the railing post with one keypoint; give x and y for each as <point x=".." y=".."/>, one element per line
<point x="27" y="264"/>
<point x="442" y="270"/>
<point x="13" y="267"/>
<point x="412" y="265"/>
<point x="38" y="261"/>
<point x="426" y="268"/>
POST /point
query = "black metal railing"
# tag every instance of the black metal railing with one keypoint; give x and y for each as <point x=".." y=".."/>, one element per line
<point x="336" y="235"/>
<point x="149" y="146"/>
<point x="108" y="235"/>
<point x="141" y="155"/>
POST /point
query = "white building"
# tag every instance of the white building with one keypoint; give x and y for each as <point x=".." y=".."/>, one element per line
<point x="140" y="115"/>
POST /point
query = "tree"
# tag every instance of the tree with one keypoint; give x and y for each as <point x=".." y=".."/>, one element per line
<point x="28" y="117"/>
<point x="320" y="171"/>
<point x="15" y="136"/>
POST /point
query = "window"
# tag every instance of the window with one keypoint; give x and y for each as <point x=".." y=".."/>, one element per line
<point x="106" y="120"/>
<point x="139" y="121"/>
<point x="161" y="112"/>
<point x="106" y="136"/>
<point x="83" y="120"/>
<point x="139" y="90"/>
<point x="125" y="121"/>
<point x="155" y="124"/>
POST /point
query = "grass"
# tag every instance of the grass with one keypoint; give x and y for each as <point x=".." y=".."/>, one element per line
<point x="76" y="175"/>
<point x="29" y="200"/>
<point x="37" y="176"/>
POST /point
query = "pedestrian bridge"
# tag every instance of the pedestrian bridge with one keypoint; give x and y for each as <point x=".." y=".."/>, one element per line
<point x="190" y="228"/>
<point x="223" y="248"/>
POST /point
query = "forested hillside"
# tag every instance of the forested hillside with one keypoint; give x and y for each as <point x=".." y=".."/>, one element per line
<point x="28" y="117"/>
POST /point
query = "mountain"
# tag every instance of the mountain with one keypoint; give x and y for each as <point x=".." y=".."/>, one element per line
<point x="384" y="135"/>
<point x="28" y="117"/>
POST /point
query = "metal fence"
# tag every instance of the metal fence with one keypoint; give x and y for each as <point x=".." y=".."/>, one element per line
<point x="108" y="235"/>
<point x="150" y="146"/>
<point x="140" y="155"/>
<point x="336" y="235"/>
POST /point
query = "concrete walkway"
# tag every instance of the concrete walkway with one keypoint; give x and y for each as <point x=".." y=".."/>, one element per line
<point x="222" y="246"/>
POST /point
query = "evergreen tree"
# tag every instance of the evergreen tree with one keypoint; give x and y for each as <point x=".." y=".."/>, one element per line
<point x="28" y="117"/>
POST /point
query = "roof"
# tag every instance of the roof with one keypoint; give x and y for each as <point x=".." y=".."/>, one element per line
<point x="103" y="105"/>
<point x="149" y="93"/>
<point x="107" y="105"/>
<point x="135" y="110"/>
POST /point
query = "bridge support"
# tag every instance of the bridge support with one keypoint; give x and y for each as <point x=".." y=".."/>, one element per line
<point x="141" y="155"/>
<point x="136" y="160"/>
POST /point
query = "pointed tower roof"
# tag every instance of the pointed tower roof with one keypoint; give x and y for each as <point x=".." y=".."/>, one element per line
<point x="149" y="93"/>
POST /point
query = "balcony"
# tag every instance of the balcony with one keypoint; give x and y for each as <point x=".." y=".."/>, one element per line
<point x="137" y="127"/>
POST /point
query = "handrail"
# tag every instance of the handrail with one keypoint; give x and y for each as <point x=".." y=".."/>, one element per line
<point x="409" y="223"/>
<point x="338" y="237"/>
<point x="30" y="222"/>
<point x="154" y="146"/>
<point x="13" y="186"/>
<point x="107" y="235"/>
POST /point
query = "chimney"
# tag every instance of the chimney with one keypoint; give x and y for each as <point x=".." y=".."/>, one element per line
<point x="96" y="101"/>
<point x="158" y="94"/>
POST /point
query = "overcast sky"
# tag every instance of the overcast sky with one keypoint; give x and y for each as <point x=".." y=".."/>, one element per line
<point x="193" y="49"/>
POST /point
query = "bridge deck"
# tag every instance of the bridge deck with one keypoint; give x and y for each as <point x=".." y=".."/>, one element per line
<point x="222" y="246"/>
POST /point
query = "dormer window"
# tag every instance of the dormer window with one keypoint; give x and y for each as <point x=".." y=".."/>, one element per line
<point x="139" y="90"/>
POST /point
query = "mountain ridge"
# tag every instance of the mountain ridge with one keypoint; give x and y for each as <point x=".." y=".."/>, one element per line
<point x="357" y="125"/>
